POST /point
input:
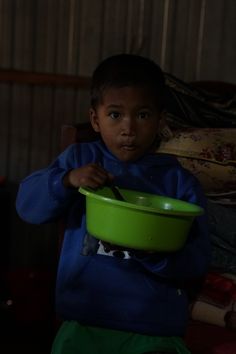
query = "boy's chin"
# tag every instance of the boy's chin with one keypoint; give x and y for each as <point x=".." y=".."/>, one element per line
<point x="131" y="154"/>
<point x="128" y="156"/>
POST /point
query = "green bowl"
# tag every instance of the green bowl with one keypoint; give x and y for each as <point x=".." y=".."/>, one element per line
<point x="143" y="221"/>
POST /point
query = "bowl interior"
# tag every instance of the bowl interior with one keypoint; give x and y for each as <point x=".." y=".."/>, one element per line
<point x="145" y="201"/>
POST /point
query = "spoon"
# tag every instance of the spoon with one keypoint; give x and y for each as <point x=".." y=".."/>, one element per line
<point x="117" y="193"/>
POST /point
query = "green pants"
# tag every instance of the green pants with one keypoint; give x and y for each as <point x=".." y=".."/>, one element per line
<point x="73" y="338"/>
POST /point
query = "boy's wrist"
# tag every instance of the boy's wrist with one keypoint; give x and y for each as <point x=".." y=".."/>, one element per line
<point x="66" y="180"/>
<point x="56" y="185"/>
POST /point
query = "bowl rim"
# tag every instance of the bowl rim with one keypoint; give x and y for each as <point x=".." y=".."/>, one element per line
<point x="89" y="192"/>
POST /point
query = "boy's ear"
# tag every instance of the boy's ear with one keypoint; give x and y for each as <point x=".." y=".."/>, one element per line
<point x="94" y="120"/>
<point x="164" y="130"/>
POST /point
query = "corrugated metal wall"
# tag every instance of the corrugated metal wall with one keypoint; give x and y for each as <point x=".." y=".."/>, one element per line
<point x="192" y="39"/>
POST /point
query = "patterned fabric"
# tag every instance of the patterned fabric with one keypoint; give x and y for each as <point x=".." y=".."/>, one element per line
<point x="188" y="106"/>
<point x="222" y="229"/>
<point x="209" y="153"/>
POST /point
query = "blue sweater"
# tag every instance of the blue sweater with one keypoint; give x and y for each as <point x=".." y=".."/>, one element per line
<point x="143" y="294"/>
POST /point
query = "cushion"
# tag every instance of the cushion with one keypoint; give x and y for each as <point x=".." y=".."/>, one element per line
<point x="209" y="153"/>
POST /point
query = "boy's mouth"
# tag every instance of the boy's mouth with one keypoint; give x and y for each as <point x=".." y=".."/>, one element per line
<point x="128" y="147"/>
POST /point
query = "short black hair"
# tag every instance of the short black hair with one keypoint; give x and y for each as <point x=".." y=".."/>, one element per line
<point x="127" y="70"/>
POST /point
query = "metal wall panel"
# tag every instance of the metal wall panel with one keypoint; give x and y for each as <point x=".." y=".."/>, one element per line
<point x="71" y="36"/>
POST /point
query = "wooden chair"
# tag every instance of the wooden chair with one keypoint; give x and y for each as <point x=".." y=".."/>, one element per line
<point x="77" y="133"/>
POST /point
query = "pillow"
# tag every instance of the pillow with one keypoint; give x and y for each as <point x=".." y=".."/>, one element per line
<point x="209" y="153"/>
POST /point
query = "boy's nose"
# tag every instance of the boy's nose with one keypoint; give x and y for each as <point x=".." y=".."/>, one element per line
<point x="128" y="127"/>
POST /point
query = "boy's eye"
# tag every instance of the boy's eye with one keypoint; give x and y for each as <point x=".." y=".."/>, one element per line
<point x="114" y="115"/>
<point x="144" y="115"/>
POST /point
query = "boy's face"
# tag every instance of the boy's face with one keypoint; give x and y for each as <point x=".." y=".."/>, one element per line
<point x="128" y="120"/>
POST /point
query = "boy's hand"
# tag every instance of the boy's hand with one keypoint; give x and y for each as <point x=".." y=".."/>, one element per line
<point x="91" y="175"/>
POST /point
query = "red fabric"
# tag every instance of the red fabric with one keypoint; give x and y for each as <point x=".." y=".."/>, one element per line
<point x="203" y="338"/>
<point x="219" y="289"/>
<point x="226" y="348"/>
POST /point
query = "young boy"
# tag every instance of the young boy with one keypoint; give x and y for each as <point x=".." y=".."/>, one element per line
<point x="134" y="303"/>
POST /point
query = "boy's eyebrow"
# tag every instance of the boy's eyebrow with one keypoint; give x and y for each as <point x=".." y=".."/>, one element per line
<point x="120" y="106"/>
<point x="113" y="106"/>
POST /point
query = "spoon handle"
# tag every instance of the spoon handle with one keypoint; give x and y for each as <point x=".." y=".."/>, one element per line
<point x="117" y="193"/>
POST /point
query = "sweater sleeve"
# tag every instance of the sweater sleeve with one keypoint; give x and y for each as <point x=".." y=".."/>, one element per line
<point x="194" y="258"/>
<point x="41" y="196"/>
